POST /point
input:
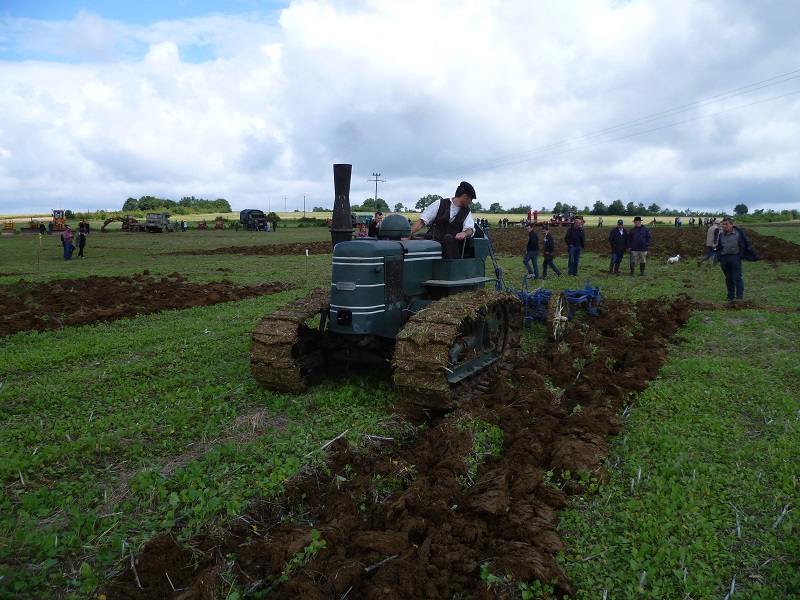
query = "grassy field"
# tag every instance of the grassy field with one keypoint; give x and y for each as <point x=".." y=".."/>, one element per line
<point x="115" y="432"/>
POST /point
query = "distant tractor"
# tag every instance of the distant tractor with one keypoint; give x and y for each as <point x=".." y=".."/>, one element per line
<point x="563" y="219"/>
<point x="129" y="224"/>
<point x="158" y="222"/>
<point x="253" y="219"/>
<point x="59" y="220"/>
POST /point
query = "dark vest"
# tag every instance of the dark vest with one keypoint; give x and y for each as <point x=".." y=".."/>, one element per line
<point x="441" y="225"/>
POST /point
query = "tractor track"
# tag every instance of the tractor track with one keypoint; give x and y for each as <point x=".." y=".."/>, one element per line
<point x="421" y="356"/>
<point x="272" y="353"/>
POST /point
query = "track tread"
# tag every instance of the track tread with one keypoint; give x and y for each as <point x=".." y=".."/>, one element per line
<point x="422" y="349"/>
<point x="272" y="359"/>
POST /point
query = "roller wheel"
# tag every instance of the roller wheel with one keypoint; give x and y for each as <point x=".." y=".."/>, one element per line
<point x="557" y="315"/>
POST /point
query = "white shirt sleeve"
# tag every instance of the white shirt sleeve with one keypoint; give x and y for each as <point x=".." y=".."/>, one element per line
<point x="429" y="214"/>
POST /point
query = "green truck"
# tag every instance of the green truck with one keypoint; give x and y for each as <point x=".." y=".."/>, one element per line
<point x="158" y="222"/>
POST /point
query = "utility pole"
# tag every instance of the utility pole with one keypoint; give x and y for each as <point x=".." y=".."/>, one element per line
<point x="304" y="206"/>
<point x="376" y="180"/>
<point x="284" y="204"/>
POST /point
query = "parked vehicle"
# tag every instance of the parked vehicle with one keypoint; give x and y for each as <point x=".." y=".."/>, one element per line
<point x="158" y="222"/>
<point x="253" y="219"/>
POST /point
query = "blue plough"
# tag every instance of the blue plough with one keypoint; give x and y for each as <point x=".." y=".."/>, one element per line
<point x="536" y="302"/>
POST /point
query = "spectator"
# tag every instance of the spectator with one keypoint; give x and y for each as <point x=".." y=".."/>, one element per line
<point x="531" y="253"/>
<point x="549" y="248"/>
<point x="712" y="237"/>
<point x="619" y="241"/>
<point x="575" y="240"/>
<point x="733" y="245"/>
<point x="639" y="239"/>
<point x="81" y="242"/>
<point x="66" y="242"/>
<point x="375" y="225"/>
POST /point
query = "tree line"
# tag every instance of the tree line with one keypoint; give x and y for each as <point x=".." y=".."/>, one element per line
<point x="184" y="206"/>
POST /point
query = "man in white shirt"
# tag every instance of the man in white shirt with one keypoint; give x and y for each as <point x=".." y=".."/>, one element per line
<point x="449" y="220"/>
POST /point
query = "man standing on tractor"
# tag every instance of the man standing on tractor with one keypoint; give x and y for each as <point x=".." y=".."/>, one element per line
<point x="450" y="221"/>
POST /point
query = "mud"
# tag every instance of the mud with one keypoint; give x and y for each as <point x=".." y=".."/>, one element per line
<point x="26" y="306"/>
<point x="689" y="242"/>
<point x="402" y="518"/>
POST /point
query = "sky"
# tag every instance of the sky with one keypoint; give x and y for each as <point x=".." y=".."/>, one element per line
<point x="688" y="104"/>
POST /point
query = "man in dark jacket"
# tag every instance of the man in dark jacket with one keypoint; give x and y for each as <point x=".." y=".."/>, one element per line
<point x="375" y="225"/>
<point x="618" y="240"/>
<point x="732" y="246"/>
<point x="575" y="240"/>
<point x="531" y="252"/>
<point x="449" y="221"/>
<point x="639" y="240"/>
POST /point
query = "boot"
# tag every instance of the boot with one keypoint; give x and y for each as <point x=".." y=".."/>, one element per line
<point x="633" y="266"/>
<point x="641" y="269"/>
<point x="610" y="268"/>
<point x="616" y="269"/>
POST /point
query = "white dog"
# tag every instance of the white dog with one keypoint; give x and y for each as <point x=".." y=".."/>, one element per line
<point x="673" y="259"/>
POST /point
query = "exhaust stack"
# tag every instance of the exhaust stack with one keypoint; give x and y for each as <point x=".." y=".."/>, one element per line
<point x="341" y="222"/>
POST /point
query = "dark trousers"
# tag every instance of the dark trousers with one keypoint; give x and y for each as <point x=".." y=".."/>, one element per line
<point x="732" y="267"/>
<point x="526" y="260"/>
<point x="548" y="262"/>
<point x="80" y="251"/>
<point x="574" y="259"/>
<point x="451" y="247"/>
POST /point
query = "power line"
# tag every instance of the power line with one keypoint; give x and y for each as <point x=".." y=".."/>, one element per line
<point x="532" y="154"/>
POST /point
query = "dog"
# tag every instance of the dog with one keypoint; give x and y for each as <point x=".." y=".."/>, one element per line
<point x="673" y="259"/>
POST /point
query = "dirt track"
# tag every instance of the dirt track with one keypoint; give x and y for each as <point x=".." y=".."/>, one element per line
<point x="30" y="306"/>
<point x="439" y="531"/>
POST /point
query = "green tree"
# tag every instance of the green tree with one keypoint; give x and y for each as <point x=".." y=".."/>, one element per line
<point x="423" y="203"/>
<point x="616" y="208"/>
<point x="398" y="207"/>
<point x="740" y="210"/>
<point x="222" y="205"/>
<point x="599" y="208"/>
<point x="130" y="205"/>
<point x="476" y="207"/>
<point x="653" y="209"/>
<point x="630" y="208"/>
<point x="495" y="208"/>
<point x="149" y="203"/>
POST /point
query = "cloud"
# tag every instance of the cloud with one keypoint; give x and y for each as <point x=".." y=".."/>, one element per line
<point x="521" y="98"/>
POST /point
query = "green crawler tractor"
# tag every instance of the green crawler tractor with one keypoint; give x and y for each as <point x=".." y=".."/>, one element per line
<point x="394" y="299"/>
